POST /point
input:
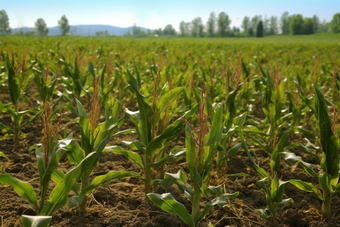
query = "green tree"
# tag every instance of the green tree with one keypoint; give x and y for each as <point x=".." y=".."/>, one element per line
<point x="325" y="26"/>
<point x="196" y="27"/>
<point x="102" y="33"/>
<point x="182" y="28"/>
<point x="245" y="24"/>
<point x="266" y="25"/>
<point x="273" y="26"/>
<point x="169" y="30"/>
<point x="296" y="25"/>
<point x="285" y="22"/>
<point x="211" y="24"/>
<point x="259" y="29"/>
<point x="4" y="23"/>
<point x="251" y="32"/>
<point x="316" y="23"/>
<point x="63" y="25"/>
<point x="308" y="26"/>
<point x="41" y="27"/>
<point x="223" y="24"/>
<point x="335" y="23"/>
<point x="255" y="20"/>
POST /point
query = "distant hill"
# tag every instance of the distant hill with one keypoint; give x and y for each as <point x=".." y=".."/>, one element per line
<point x="84" y="30"/>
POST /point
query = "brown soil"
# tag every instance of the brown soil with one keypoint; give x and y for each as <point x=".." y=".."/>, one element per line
<point x="123" y="203"/>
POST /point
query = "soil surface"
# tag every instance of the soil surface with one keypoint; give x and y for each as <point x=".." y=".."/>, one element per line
<point x="123" y="202"/>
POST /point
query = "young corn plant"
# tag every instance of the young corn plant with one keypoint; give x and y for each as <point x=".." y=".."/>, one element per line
<point x="330" y="162"/>
<point x="153" y="132"/>
<point x="270" y="182"/>
<point x="201" y="148"/>
<point x="48" y="156"/>
<point x="16" y="93"/>
<point x="94" y="138"/>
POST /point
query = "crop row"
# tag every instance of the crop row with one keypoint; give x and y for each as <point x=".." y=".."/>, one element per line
<point x="211" y="99"/>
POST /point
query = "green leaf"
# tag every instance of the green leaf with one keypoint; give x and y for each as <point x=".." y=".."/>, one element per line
<point x="3" y="155"/>
<point x="75" y="200"/>
<point x="36" y="221"/>
<point x="307" y="187"/>
<point x="13" y="88"/>
<point x="238" y="175"/>
<point x="145" y="111"/>
<point x="85" y="129"/>
<point x="276" y="156"/>
<point x="22" y="188"/>
<point x="259" y="170"/>
<point x="135" y="145"/>
<point x="134" y="157"/>
<point x="4" y="128"/>
<point x="231" y="107"/>
<point x="230" y="153"/>
<point x="167" y="158"/>
<point x="215" y="190"/>
<point x="180" y="180"/>
<point x="292" y="158"/>
<point x="168" y="135"/>
<point x="330" y="161"/>
<point x="220" y="201"/>
<point x="59" y="195"/>
<point x="105" y="179"/>
<point x="304" y="131"/>
<point x="168" y="203"/>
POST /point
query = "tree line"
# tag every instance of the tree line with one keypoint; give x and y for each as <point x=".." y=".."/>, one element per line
<point x="41" y="28"/>
<point x="219" y="26"/>
<point x="216" y="26"/>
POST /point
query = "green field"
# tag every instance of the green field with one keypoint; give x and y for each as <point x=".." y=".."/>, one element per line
<point x="175" y="121"/>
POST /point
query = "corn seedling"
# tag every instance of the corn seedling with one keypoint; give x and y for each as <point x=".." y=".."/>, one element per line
<point x="94" y="137"/>
<point x="201" y="148"/>
<point x="328" y="179"/>
<point x="149" y="120"/>
<point x="48" y="156"/>
<point x="15" y="93"/>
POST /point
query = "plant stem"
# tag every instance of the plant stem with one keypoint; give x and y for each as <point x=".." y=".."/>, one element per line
<point x="196" y="207"/>
<point x="220" y="155"/>
<point x="326" y="205"/>
<point x="84" y="183"/>
<point x="147" y="179"/>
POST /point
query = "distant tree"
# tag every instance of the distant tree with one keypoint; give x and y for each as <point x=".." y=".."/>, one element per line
<point x="211" y="24"/>
<point x="63" y="25"/>
<point x="255" y="20"/>
<point x="296" y="25"/>
<point x="4" y="23"/>
<point x="223" y="24"/>
<point x="245" y="24"/>
<point x="41" y="27"/>
<point x="273" y="26"/>
<point x="285" y="23"/>
<point x="169" y="30"/>
<point x="250" y="32"/>
<point x="266" y="27"/>
<point x="259" y="29"/>
<point x="335" y="23"/>
<point x="196" y="25"/>
<point x="158" y="32"/>
<point x="137" y="31"/>
<point x="102" y="33"/>
<point x="325" y="26"/>
<point x="182" y="28"/>
<point x="308" y="26"/>
<point x="316" y="23"/>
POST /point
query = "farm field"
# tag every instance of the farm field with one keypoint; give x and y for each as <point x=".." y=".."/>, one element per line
<point x="241" y="131"/>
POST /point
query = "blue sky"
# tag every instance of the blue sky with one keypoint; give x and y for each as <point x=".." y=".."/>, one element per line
<point x="156" y="14"/>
